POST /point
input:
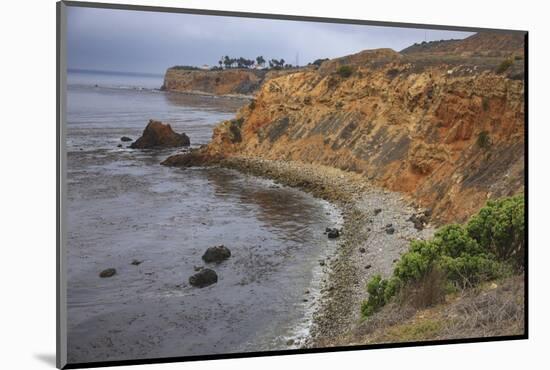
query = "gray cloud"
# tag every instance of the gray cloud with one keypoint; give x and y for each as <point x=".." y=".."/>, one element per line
<point x="137" y="41"/>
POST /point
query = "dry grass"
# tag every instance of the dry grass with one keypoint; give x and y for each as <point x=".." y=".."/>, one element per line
<point x="494" y="309"/>
<point x="427" y="292"/>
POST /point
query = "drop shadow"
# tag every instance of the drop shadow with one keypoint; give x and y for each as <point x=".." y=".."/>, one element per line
<point x="47" y="358"/>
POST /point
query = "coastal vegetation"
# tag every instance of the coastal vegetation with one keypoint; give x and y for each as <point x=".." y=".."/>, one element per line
<point x="483" y="140"/>
<point x="504" y="66"/>
<point x="489" y="246"/>
<point x="318" y="62"/>
<point x="186" y="68"/>
<point x="228" y="62"/>
<point x="344" y="71"/>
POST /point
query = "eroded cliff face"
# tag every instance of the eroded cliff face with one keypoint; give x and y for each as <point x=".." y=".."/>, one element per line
<point x="448" y="134"/>
<point x="213" y="82"/>
<point x="218" y="82"/>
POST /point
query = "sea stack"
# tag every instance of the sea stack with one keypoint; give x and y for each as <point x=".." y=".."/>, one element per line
<point x="160" y="135"/>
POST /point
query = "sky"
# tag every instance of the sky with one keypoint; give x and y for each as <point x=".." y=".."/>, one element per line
<point x="150" y="42"/>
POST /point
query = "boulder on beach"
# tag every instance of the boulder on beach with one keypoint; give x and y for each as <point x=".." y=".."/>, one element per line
<point x="419" y="221"/>
<point x="332" y="233"/>
<point x="125" y="138"/>
<point x="216" y="254"/>
<point x="203" y="278"/>
<point x="107" y="273"/>
<point x="160" y="135"/>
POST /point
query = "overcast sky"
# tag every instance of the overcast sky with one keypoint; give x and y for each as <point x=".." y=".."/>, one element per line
<point x="137" y="41"/>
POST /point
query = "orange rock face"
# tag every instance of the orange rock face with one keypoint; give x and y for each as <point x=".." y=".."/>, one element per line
<point x="448" y="134"/>
<point x="224" y="82"/>
<point x="233" y="81"/>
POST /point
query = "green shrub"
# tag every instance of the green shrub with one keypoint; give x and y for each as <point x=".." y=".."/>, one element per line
<point x="499" y="229"/>
<point x="417" y="261"/>
<point x="391" y="288"/>
<point x="344" y="71"/>
<point x="455" y="242"/>
<point x="490" y="246"/>
<point x="469" y="270"/>
<point x="504" y="66"/>
<point x="186" y="68"/>
<point x="380" y="292"/>
<point x="412" y="266"/>
<point x="483" y="140"/>
<point x="392" y="73"/>
<point x="376" y="288"/>
<point x="318" y="62"/>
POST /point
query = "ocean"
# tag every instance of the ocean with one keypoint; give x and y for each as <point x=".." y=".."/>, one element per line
<point x="123" y="206"/>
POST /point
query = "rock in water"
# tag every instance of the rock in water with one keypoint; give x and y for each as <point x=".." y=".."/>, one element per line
<point x="203" y="278"/>
<point x="125" y="138"/>
<point x="216" y="254"/>
<point x="160" y="135"/>
<point x="107" y="273"/>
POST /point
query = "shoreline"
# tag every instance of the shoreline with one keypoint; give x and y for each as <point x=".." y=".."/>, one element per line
<point x="212" y="95"/>
<point x="365" y="247"/>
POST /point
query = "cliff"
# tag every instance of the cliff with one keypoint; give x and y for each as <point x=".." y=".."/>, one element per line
<point x="448" y="132"/>
<point x="218" y="82"/>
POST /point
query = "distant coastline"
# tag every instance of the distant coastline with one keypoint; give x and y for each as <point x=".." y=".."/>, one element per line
<point x="114" y="73"/>
<point x="114" y="79"/>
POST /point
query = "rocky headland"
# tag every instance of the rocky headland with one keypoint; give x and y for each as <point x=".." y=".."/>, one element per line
<point x="229" y="82"/>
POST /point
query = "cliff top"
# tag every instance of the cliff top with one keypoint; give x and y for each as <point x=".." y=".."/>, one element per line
<point x="482" y="42"/>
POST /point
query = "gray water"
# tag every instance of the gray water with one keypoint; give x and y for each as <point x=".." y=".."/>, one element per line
<point x="122" y="205"/>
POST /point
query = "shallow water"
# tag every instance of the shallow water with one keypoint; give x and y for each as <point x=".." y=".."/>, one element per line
<point x="122" y="205"/>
